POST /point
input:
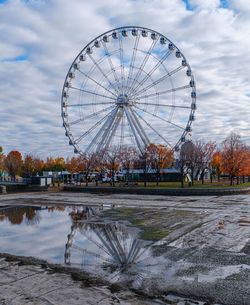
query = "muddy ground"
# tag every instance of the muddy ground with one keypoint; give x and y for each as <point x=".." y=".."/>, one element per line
<point x="198" y="247"/>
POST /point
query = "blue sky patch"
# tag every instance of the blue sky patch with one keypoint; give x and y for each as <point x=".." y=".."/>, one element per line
<point x="224" y="4"/>
<point x="19" y="58"/>
<point x="188" y="7"/>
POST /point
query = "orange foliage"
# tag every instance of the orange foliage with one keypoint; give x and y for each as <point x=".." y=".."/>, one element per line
<point x="38" y="164"/>
<point x="217" y="163"/>
<point x="13" y="163"/>
<point x="235" y="156"/>
<point x="160" y="157"/>
<point x="28" y="165"/>
<point x="72" y="165"/>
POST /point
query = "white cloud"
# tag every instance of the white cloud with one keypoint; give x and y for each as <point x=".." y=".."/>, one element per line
<point x="51" y="33"/>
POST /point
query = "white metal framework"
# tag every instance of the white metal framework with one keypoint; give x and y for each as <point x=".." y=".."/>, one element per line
<point x="128" y="86"/>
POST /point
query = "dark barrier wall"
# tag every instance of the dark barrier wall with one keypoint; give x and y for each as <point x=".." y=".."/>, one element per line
<point x="160" y="191"/>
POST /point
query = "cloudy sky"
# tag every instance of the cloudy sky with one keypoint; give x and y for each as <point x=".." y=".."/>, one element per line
<point x="39" y="39"/>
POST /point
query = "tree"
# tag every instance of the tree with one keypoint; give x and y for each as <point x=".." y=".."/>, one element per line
<point x="188" y="160"/>
<point x="160" y="157"/>
<point x="86" y="163"/>
<point x="72" y="166"/>
<point x="38" y="164"/>
<point x="196" y="158"/>
<point x="2" y="158"/>
<point x="203" y="157"/>
<point x="234" y="156"/>
<point x="49" y="164"/>
<point x="144" y="163"/>
<point x="112" y="162"/>
<point x="217" y="164"/>
<point x="28" y="165"/>
<point x="13" y="163"/>
<point x="126" y="159"/>
<point x="60" y="164"/>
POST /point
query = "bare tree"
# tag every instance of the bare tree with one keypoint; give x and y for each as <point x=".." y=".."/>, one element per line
<point x="127" y="156"/>
<point x="112" y="159"/>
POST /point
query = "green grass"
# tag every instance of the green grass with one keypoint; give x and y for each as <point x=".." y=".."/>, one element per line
<point x="197" y="184"/>
<point x="139" y="219"/>
<point x="153" y="233"/>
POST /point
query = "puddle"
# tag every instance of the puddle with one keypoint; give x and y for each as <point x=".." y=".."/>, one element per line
<point x="155" y="249"/>
<point x="74" y="236"/>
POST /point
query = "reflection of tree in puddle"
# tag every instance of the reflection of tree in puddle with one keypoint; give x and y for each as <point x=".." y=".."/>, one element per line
<point x="18" y="214"/>
<point x="30" y="215"/>
<point x="102" y="247"/>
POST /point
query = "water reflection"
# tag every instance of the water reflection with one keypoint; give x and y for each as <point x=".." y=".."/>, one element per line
<point x="17" y="215"/>
<point x="100" y="246"/>
<point x="76" y="236"/>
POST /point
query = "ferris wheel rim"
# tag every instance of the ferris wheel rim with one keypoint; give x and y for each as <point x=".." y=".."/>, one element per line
<point x="192" y="110"/>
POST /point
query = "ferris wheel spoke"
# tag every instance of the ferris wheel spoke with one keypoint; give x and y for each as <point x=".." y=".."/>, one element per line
<point x="94" y="93"/>
<point x="163" y="105"/>
<point x="91" y="115"/>
<point x="93" y="80"/>
<point x="131" y="66"/>
<point x="132" y="128"/>
<point x="122" y="63"/>
<point x="92" y="128"/>
<point x="164" y="57"/>
<point x="163" y="92"/>
<point x="102" y="129"/>
<point x="111" y="65"/>
<point x="142" y="66"/>
<point x="90" y="104"/>
<point x="104" y="74"/>
<point x="92" y="253"/>
<point x="159" y="80"/>
<point x="156" y="116"/>
<point x="150" y="126"/>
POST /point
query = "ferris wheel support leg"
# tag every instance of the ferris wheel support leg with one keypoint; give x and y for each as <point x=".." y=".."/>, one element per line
<point x="101" y="130"/>
<point x="137" y="127"/>
<point x="106" y="132"/>
<point x="145" y="139"/>
<point x="132" y="128"/>
<point x="115" y="126"/>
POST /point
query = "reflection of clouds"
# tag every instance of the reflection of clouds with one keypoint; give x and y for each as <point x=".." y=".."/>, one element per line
<point x="45" y="239"/>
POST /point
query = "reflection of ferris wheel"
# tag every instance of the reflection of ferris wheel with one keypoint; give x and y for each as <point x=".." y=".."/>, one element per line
<point x="129" y="86"/>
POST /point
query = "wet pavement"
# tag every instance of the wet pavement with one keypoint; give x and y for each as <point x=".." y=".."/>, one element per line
<point x="162" y="247"/>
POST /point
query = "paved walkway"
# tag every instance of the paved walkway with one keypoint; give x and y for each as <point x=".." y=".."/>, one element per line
<point x="31" y="284"/>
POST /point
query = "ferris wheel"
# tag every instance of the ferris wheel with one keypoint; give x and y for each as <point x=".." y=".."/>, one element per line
<point x="128" y="86"/>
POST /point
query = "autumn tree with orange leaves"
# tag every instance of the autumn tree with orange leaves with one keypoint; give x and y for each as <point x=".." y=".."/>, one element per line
<point x="72" y="166"/>
<point x="217" y="164"/>
<point x="38" y="164"/>
<point x="234" y="157"/>
<point x="160" y="157"/>
<point x="28" y="165"/>
<point x="13" y="163"/>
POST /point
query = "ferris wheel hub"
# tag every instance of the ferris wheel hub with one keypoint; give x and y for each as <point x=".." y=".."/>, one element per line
<point x="122" y="99"/>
